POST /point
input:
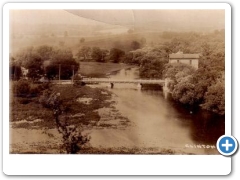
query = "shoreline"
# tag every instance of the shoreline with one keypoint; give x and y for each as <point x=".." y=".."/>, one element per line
<point x="27" y="136"/>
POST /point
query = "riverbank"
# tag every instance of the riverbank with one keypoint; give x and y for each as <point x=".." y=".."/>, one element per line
<point x="33" y="129"/>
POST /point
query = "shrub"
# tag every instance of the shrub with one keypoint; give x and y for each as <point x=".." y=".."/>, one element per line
<point x="23" y="100"/>
<point x="73" y="139"/>
<point x="49" y="99"/>
<point x="34" y="90"/>
<point x="21" y="88"/>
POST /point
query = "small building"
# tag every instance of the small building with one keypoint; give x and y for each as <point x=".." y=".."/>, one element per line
<point x="179" y="57"/>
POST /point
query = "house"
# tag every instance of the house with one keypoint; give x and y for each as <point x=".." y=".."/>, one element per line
<point x="179" y="57"/>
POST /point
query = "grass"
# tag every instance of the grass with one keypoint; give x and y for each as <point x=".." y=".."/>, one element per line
<point x="96" y="69"/>
<point x="68" y="95"/>
<point x="42" y="149"/>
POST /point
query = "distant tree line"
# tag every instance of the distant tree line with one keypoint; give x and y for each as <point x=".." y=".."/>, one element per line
<point x="115" y="54"/>
<point x="43" y="61"/>
<point x="203" y="87"/>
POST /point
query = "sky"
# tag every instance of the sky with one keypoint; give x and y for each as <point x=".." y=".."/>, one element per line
<point x="117" y="17"/>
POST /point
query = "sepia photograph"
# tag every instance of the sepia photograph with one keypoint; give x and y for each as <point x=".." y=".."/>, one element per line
<point x="116" y="81"/>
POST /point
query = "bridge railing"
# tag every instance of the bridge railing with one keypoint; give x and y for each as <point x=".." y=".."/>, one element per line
<point x="107" y="80"/>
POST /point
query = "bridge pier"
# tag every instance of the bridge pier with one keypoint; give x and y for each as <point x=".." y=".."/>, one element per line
<point x="111" y="85"/>
<point x="139" y="85"/>
<point x="166" y="90"/>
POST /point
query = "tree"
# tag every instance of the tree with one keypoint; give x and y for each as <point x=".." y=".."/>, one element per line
<point x="82" y="40"/>
<point x="83" y="52"/>
<point x="128" y="58"/>
<point x="184" y="91"/>
<point x="33" y="62"/>
<point x="14" y="69"/>
<point x="73" y="140"/>
<point x="151" y="67"/>
<point x="116" y="54"/>
<point x="214" y="99"/>
<point x="21" y="88"/>
<point x="62" y="60"/>
<point x="135" y="45"/>
<point x="45" y="52"/>
<point x="15" y="72"/>
<point x="182" y="84"/>
<point x="98" y="54"/>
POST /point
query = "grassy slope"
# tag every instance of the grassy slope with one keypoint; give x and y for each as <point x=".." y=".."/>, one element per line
<point x="95" y="69"/>
<point x="102" y="41"/>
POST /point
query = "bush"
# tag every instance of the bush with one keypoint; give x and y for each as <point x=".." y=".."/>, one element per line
<point x="49" y="99"/>
<point x="77" y="80"/>
<point x="25" y="88"/>
<point x="23" y="100"/>
<point x="21" y="88"/>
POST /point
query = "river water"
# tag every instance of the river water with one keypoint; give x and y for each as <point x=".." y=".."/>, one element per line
<point x="158" y="122"/>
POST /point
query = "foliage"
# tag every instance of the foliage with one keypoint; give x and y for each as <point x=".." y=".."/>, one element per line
<point x="151" y="61"/>
<point x="77" y="80"/>
<point x="135" y="45"/>
<point x="176" y="71"/>
<point x="45" y="52"/>
<point x="73" y="139"/>
<point x="204" y="86"/>
<point x="25" y="88"/>
<point x="32" y="61"/>
<point x="98" y="54"/>
<point x="15" y="72"/>
<point x="215" y="98"/>
<point x="181" y="85"/>
<point x="184" y="91"/>
<point x="82" y="40"/>
<point x="198" y="87"/>
<point x="21" y="88"/>
<point x="83" y="52"/>
<point x="151" y="68"/>
<point x="62" y="60"/>
<point x="116" y="54"/>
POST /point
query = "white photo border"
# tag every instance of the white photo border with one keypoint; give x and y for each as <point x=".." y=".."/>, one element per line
<point x="14" y="164"/>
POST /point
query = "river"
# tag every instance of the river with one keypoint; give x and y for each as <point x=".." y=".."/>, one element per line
<point x="158" y="122"/>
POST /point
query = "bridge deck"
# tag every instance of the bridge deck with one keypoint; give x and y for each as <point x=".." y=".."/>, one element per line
<point x="135" y="81"/>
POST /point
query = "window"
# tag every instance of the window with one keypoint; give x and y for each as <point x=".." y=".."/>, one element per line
<point x="178" y="61"/>
<point x="190" y="62"/>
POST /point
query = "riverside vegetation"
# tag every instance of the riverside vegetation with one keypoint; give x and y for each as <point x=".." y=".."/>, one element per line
<point x="203" y="87"/>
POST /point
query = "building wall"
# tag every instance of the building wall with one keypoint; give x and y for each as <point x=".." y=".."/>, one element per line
<point x="186" y="61"/>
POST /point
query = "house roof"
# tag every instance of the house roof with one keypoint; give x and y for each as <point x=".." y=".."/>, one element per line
<point x="183" y="56"/>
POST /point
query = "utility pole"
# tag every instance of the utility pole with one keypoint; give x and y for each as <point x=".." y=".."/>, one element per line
<point x="59" y="73"/>
<point x="72" y="73"/>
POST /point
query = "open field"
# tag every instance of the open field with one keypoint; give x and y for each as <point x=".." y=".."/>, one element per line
<point x="104" y="41"/>
<point x="95" y="69"/>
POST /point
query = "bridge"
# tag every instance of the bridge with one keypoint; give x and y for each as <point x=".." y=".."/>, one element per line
<point x="123" y="81"/>
<point x="139" y="82"/>
<point x="111" y="82"/>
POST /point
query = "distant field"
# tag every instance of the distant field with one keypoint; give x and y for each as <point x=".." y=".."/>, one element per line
<point x="106" y="41"/>
<point x="95" y="69"/>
